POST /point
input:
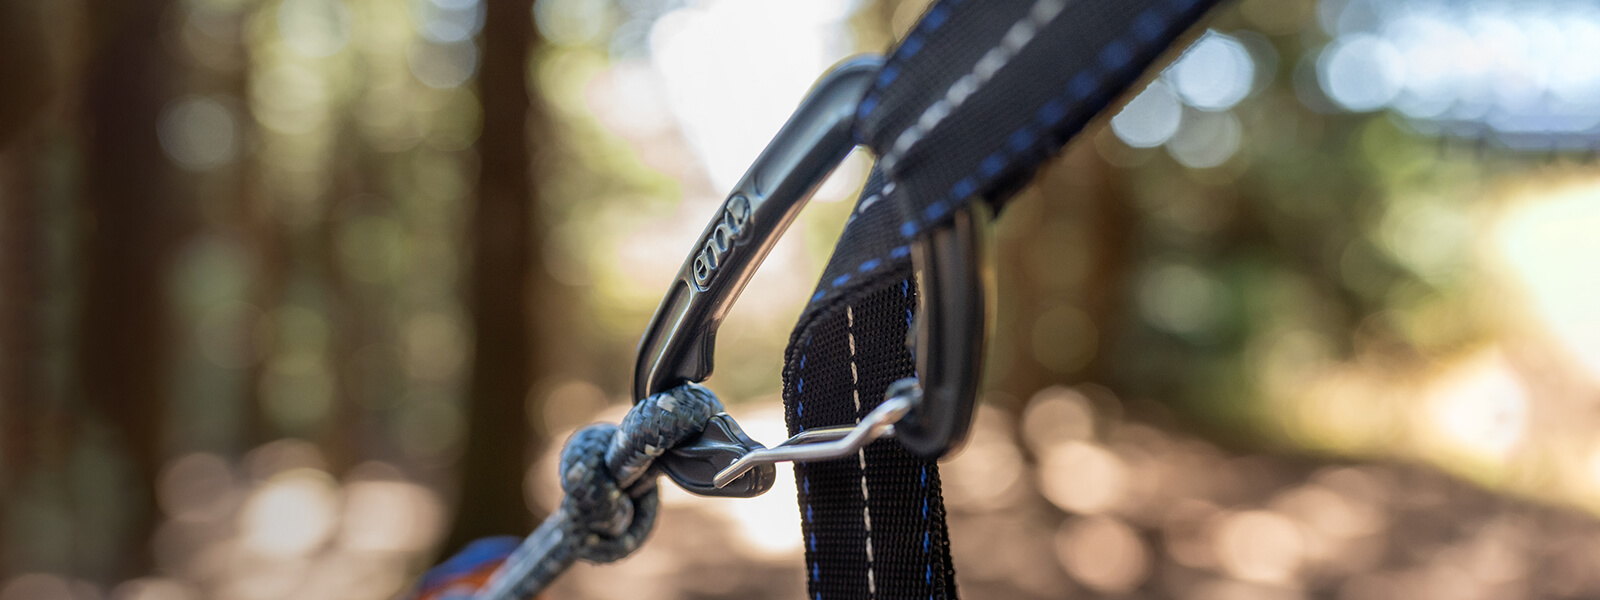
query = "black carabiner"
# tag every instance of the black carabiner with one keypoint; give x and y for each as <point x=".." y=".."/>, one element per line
<point x="951" y="331"/>
<point x="679" y="344"/>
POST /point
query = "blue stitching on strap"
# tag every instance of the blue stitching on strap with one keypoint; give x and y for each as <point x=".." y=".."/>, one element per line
<point x="805" y="500"/>
<point x="887" y="75"/>
<point x="927" y="527"/>
<point x="992" y="165"/>
<point x="910" y="47"/>
<point x="964" y="188"/>
<point x="1021" y="139"/>
<point x="935" y="17"/>
<point x="1051" y="112"/>
<point x="1083" y="85"/>
<point x="1148" y="26"/>
<point x="867" y="104"/>
<point x="1117" y="55"/>
<point x="905" y="290"/>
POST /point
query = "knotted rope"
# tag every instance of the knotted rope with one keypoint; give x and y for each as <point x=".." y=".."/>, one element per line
<point x="611" y="495"/>
<point x="603" y="466"/>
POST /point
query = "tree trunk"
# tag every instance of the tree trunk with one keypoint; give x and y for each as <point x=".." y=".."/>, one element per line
<point x="504" y="238"/>
<point x="20" y="356"/>
<point x="132" y="221"/>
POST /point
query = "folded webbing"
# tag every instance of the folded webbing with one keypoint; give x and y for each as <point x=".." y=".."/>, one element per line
<point x="967" y="106"/>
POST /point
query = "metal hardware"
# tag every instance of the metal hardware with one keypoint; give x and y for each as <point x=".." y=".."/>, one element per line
<point x="951" y="329"/>
<point x="697" y="464"/>
<point x="931" y="414"/>
<point x="680" y="342"/>
<point x="903" y="397"/>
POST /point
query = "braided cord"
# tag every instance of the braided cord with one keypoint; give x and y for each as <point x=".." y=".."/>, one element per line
<point x="611" y="495"/>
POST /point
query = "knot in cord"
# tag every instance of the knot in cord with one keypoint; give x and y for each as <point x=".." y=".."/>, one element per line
<point x="612" y="499"/>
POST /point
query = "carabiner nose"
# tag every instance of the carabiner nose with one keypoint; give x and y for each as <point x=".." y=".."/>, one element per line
<point x="679" y="344"/>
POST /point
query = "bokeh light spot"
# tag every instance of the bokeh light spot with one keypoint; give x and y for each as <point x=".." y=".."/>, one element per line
<point x="1361" y="72"/>
<point x="1057" y="414"/>
<point x="984" y="476"/>
<point x="196" y="487"/>
<point x="314" y="28"/>
<point x="390" y="516"/>
<point x="571" y="22"/>
<point x="1181" y="299"/>
<point x="199" y="134"/>
<point x="1150" y="118"/>
<point x="289" y="99"/>
<point x="1082" y="477"/>
<point x="1206" y="139"/>
<point x="1213" y="74"/>
<point x="443" y="65"/>
<point x="1260" y="546"/>
<point x="1479" y="406"/>
<point x="291" y="514"/>
<point x="1103" y="553"/>
<point x="448" y="21"/>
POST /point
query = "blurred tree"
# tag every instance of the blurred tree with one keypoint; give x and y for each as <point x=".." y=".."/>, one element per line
<point x="24" y="61"/>
<point x="132" y="220"/>
<point x="505" y="284"/>
<point x="1073" y="250"/>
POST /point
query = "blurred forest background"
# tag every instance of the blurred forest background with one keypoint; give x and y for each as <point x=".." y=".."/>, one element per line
<point x="298" y="295"/>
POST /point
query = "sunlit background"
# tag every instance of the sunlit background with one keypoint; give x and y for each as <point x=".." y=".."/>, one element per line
<point x="1312" y="316"/>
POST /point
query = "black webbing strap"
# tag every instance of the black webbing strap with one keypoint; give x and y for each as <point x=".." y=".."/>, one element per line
<point x="967" y="106"/>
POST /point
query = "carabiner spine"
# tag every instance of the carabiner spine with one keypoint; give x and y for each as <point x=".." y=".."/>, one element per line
<point x="951" y="330"/>
<point x="679" y="343"/>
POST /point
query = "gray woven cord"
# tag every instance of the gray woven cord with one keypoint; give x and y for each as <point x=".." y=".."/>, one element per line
<point x="656" y="425"/>
<point x="611" y="496"/>
<point x="603" y="469"/>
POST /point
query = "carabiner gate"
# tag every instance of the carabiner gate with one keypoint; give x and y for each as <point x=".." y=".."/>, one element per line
<point x="679" y="344"/>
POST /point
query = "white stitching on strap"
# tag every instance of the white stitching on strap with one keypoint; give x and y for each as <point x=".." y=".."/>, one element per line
<point x="990" y="63"/>
<point x="861" y="455"/>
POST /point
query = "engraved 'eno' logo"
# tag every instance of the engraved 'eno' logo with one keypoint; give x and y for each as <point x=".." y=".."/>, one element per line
<point x="714" y="250"/>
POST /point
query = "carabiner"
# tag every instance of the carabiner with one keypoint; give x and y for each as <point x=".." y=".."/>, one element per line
<point x="932" y="413"/>
<point x="679" y="344"/>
